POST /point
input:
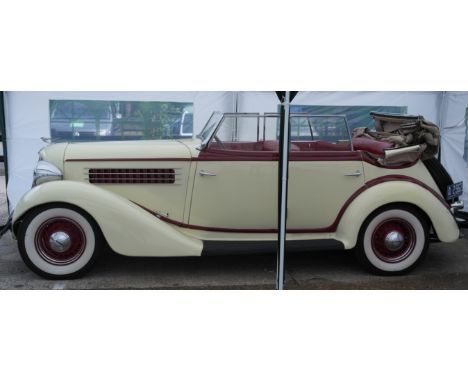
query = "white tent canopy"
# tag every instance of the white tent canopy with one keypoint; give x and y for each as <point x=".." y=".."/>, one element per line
<point x="27" y="119"/>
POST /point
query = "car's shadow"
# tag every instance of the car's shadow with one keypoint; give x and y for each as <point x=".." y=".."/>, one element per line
<point x="445" y="266"/>
<point x="228" y="271"/>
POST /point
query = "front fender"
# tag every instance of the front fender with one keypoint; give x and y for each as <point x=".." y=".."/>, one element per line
<point x="379" y="195"/>
<point x="128" y="229"/>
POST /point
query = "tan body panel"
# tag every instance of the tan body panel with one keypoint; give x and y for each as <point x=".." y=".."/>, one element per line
<point x="318" y="190"/>
<point x="241" y="194"/>
<point x="395" y="192"/>
<point x="417" y="171"/>
<point x="122" y="150"/>
<point x="128" y="229"/>
<point x="167" y="199"/>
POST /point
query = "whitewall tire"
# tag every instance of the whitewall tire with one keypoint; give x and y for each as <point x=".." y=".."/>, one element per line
<point x="58" y="241"/>
<point x="393" y="240"/>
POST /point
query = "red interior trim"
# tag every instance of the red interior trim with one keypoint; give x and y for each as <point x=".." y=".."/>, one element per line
<point x="219" y="155"/>
<point x="332" y="228"/>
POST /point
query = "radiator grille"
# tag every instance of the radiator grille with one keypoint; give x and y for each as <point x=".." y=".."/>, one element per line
<point x="131" y="175"/>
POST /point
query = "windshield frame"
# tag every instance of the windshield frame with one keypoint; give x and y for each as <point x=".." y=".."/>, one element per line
<point x="210" y="127"/>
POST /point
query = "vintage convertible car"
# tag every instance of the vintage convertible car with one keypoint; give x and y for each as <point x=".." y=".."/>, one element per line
<point x="218" y="194"/>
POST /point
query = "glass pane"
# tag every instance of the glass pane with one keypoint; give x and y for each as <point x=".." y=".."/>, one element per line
<point x="271" y="128"/>
<point x="301" y="128"/>
<point x="329" y="129"/>
<point x="357" y="116"/>
<point x="84" y="120"/>
<point x="239" y="129"/>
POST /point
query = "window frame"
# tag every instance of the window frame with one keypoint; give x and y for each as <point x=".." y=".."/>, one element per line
<point x="206" y="143"/>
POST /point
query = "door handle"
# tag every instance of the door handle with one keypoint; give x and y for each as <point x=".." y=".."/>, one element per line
<point x="355" y="173"/>
<point x="206" y="173"/>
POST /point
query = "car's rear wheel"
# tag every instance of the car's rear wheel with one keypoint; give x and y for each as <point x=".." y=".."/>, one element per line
<point x="59" y="242"/>
<point x="393" y="240"/>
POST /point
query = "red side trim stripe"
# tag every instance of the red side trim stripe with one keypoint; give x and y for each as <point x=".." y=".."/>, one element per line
<point x="257" y="156"/>
<point x="332" y="228"/>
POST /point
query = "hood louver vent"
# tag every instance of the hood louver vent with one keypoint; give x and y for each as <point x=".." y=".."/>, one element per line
<point x="131" y="175"/>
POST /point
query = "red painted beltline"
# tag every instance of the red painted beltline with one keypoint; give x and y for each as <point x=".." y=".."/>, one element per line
<point x="329" y="229"/>
<point x="260" y="156"/>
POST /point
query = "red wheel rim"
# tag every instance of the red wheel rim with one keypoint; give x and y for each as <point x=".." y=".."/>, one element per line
<point x="393" y="240"/>
<point x="60" y="241"/>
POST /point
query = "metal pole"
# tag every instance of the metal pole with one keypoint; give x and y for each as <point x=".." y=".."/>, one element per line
<point x="3" y="133"/>
<point x="442" y="107"/>
<point x="284" y="138"/>
<point x="4" y="139"/>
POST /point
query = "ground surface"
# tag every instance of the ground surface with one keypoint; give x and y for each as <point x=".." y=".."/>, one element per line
<point x="446" y="267"/>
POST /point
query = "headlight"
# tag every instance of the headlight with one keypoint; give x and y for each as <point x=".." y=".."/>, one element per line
<point x="45" y="172"/>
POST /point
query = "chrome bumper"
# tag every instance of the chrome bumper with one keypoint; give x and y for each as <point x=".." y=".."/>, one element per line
<point x="461" y="217"/>
<point x="455" y="206"/>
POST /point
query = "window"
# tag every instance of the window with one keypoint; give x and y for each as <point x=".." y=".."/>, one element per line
<point x="330" y="129"/>
<point x="254" y="132"/>
<point x="82" y="120"/>
<point x="356" y="116"/>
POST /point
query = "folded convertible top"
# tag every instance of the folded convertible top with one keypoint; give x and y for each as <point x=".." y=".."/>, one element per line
<point x="404" y="131"/>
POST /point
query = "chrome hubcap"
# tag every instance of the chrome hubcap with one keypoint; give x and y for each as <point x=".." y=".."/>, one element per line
<point x="60" y="241"/>
<point x="394" y="241"/>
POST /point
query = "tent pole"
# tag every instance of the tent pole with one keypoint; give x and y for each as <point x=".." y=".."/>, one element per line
<point x="283" y="164"/>
<point x="442" y="107"/>
<point x="3" y="133"/>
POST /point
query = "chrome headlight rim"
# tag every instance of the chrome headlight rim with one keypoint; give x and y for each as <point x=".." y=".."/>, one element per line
<point x="46" y="172"/>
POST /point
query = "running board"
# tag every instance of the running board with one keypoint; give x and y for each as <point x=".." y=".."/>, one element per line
<point x="219" y="248"/>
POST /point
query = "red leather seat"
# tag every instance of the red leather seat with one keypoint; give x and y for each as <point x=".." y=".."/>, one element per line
<point x="372" y="146"/>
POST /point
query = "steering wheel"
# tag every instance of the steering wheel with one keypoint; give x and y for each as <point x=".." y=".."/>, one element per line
<point x="219" y="142"/>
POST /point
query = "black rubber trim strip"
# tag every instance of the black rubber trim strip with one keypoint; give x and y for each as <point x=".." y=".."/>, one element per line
<point x="220" y="248"/>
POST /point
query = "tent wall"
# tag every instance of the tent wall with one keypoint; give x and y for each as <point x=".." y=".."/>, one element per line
<point x="454" y="153"/>
<point x="27" y="119"/>
<point x="424" y="103"/>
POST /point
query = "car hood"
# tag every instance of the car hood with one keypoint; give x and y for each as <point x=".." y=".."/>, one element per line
<point x="122" y="150"/>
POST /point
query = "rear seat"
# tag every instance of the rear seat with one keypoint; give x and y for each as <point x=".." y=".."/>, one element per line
<point x="362" y="144"/>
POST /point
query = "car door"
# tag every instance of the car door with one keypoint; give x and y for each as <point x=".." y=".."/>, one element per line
<point x="234" y="193"/>
<point x="235" y="186"/>
<point x="320" y="184"/>
<point x="324" y="173"/>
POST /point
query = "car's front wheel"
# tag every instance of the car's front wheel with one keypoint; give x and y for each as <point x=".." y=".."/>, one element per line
<point x="58" y="241"/>
<point x="393" y="240"/>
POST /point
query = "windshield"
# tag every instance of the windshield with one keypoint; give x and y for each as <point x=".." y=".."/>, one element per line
<point x="210" y="126"/>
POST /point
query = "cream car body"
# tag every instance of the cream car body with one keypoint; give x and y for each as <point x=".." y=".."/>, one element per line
<point x="181" y="198"/>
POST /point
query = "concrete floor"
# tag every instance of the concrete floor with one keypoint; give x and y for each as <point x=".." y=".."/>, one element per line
<point x="446" y="267"/>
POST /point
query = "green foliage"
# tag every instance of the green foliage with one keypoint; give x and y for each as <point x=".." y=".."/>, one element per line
<point x="114" y="119"/>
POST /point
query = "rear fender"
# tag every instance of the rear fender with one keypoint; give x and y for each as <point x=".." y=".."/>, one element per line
<point x="128" y="229"/>
<point x="389" y="192"/>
